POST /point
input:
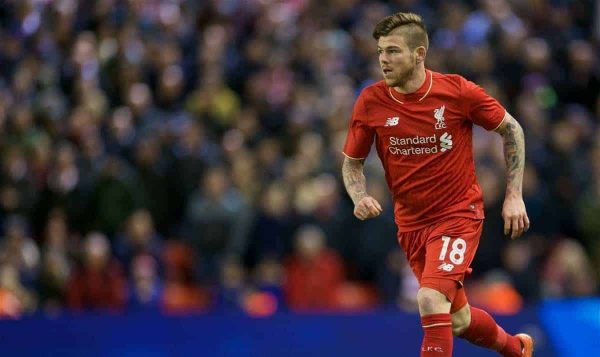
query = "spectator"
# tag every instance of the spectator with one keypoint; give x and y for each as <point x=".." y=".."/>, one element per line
<point x="181" y="292"/>
<point x="139" y="237"/>
<point x="63" y="189"/>
<point x="19" y="191"/>
<point x="15" y="299"/>
<point x="218" y="220"/>
<point x="567" y="272"/>
<point x="114" y="198"/>
<point x="145" y="285"/>
<point x="314" y="272"/>
<point x="98" y="283"/>
<point x="55" y="272"/>
<point x="268" y="279"/>
<point x="589" y="211"/>
<point x="151" y="173"/>
<point x="20" y="251"/>
<point x="272" y="225"/>
<point x="520" y="262"/>
<point x="233" y="286"/>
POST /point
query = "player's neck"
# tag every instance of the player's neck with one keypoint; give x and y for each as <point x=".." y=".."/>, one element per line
<point x="413" y="83"/>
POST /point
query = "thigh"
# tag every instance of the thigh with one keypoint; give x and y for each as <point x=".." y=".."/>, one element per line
<point x="451" y="247"/>
<point x="413" y="244"/>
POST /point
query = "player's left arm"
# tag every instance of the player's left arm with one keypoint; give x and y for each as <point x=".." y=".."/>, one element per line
<point x="514" y="213"/>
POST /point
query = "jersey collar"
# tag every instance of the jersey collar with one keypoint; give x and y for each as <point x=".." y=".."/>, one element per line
<point x="415" y="96"/>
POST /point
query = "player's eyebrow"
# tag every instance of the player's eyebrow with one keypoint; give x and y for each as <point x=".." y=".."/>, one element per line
<point x="387" y="47"/>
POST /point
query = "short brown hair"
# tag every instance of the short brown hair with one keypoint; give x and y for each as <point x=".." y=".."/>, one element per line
<point x="414" y="27"/>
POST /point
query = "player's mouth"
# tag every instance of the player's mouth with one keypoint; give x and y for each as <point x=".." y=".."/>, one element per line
<point x="386" y="71"/>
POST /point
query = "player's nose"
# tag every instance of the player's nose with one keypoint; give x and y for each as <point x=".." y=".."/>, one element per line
<point x="383" y="59"/>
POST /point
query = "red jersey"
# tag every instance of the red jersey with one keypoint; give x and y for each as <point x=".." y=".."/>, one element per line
<point x="424" y="141"/>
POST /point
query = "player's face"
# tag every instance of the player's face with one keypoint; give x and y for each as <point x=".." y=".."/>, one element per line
<point x="397" y="61"/>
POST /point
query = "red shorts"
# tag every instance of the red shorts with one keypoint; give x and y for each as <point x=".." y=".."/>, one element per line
<point x="443" y="250"/>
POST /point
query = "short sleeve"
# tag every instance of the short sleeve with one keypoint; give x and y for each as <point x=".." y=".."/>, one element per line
<point x="360" y="136"/>
<point x="480" y="107"/>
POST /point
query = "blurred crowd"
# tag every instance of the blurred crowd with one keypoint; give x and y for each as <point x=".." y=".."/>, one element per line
<point x="184" y="155"/>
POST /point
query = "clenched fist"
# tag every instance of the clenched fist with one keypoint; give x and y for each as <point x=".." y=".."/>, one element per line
<point x="367" y="207"/>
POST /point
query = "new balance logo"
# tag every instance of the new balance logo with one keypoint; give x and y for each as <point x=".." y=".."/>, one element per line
<point x="438" y="114"/>
<point x="392" y="121"/>
<point x="446" y="267"/>
<point x="445" y="142"/>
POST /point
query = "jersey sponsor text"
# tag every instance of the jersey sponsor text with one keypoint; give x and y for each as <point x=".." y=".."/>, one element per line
<point x="396" y="144"/>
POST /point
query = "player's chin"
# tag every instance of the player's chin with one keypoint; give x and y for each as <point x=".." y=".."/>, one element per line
<point x="391" y="82"/>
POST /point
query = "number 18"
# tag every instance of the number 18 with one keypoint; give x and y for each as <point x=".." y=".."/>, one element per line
<point x="457" y="254"/>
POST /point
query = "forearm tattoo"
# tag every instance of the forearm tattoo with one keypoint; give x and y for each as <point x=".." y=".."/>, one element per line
<point x="514" y="155"/>
<point x="354" y="179"/>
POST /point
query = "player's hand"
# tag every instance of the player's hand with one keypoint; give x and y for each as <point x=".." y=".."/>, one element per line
<point x="515" y="216"/>
<point x="367" y="207"/>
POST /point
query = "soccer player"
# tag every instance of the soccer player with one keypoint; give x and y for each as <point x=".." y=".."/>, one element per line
<point x="421" y="122"/>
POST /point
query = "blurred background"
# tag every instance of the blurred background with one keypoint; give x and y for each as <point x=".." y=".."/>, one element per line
<point x="183" y="157"/>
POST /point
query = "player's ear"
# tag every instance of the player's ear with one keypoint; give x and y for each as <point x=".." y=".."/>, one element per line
<point x="420" y="54"/>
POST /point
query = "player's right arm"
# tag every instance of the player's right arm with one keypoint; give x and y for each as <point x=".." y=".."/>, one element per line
<point x="365" y="206"/>
<point x="358" y="144"/>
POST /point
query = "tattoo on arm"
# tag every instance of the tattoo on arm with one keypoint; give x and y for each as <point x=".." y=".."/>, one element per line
<point x="514" y="154"/>
<point x="354" y="179"/>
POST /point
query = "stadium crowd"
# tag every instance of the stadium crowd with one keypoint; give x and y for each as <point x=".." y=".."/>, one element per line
<point x="185" y="155"/>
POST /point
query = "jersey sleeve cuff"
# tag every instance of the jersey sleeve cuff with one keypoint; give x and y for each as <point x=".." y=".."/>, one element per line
<point x="353" y="158"/>
<point x="501" y="121"/>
